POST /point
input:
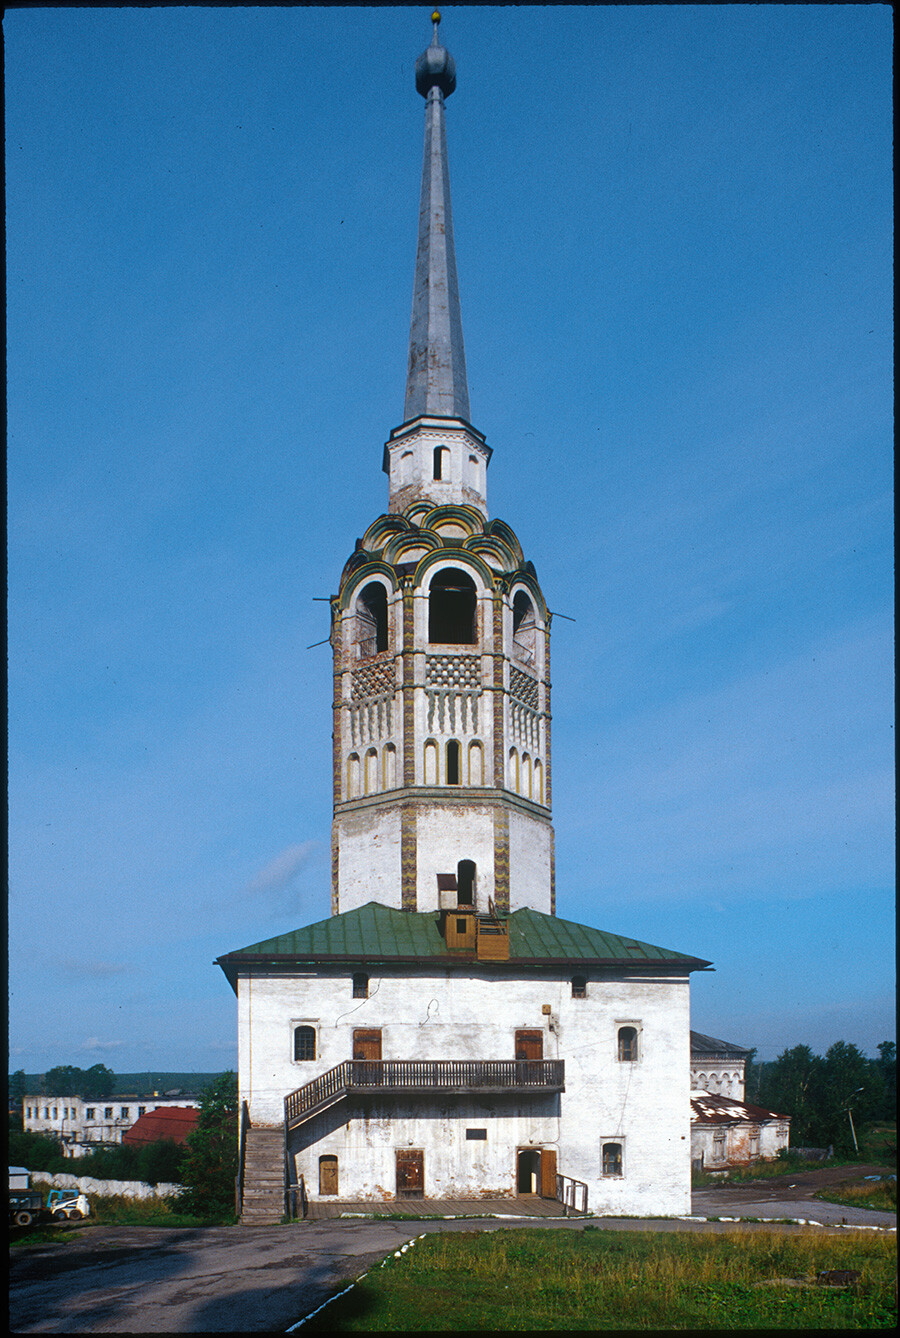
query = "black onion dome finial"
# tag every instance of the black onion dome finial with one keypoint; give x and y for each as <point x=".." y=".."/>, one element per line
<point x="435" y="68"/>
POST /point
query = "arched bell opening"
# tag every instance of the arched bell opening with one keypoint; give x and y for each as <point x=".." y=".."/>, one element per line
<point x="452" y="608"/>
<point x="370" y="632"/>
<point x="524" y="630"/>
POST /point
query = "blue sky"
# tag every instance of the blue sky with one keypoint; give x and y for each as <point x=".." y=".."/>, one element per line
<point x="673" y="231"/>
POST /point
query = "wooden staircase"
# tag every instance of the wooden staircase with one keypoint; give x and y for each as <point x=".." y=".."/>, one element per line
<point x="263" y="1199"/>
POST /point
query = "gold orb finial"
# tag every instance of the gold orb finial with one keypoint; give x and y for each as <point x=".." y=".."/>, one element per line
<point x="436" y="16"/>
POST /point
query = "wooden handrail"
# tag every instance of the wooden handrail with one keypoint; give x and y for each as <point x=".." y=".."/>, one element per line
<point x="410" y="1075"/>
<point x="573" y="1193"/>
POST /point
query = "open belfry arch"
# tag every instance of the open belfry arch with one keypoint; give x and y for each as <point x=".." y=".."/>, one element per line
<point x="444" y="1034"/>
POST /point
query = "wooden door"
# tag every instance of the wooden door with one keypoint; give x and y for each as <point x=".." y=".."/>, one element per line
<point x="367" y="1053"/>
<point x="528" y="1171"/>
<point x="328" y="1175"/>
<point x="529" y="1045"/>
<point x="410" y="1173"/>
<point x="548" y="1173"/>
<point x="529" y="1053"/>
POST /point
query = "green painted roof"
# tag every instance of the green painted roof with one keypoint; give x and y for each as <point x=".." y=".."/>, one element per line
<point x="378" y="933"/>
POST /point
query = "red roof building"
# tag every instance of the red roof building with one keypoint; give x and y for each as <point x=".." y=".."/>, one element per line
<point x="168" y="1122"/>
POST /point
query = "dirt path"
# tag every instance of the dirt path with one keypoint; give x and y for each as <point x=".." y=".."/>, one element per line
<point x="793" y="1195"/>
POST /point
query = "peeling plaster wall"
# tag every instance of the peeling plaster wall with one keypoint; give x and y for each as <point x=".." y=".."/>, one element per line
<point x="530" y="851"/>
<point x="473" y="1012"/>
<point x="772" y="1136"/>
<point x="369" y="855"/>
<point x="446" y="834"/>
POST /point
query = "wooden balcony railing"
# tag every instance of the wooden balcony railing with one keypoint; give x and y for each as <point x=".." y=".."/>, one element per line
<point x="460" y="1076"/>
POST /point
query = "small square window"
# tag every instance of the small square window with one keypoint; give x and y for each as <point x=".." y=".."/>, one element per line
<point x="360" y="985"/>
<point x="579" y="987"/>
<point x="476" y="1135"/>
<point x="89" y="1113"/>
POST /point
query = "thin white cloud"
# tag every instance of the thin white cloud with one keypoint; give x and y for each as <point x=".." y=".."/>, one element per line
<point x="97" y="969"/>
<point x="280" y="871"/>
<point x="94" y="1043"/>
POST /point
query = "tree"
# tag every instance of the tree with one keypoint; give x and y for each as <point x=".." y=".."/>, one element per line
<point x="788" y="1086"/>
<point x="886" y="1064"/>
<point x="209" y="1167"/>
<point x="64" y="1080"/>
<point x="752" y="1074"/>
<point x="822" y="1094"/>
<point x="847" y="1084"/>
<point x="98" y="1081"/>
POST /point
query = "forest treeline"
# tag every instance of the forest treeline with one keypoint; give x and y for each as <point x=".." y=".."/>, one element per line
<point x="828" y="1096"/>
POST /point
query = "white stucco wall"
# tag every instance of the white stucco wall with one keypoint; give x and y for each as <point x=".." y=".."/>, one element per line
<point x="474" y="1012"/>
<point x="369" y="857"/>
<point x="725" y="1078"/>
<point x="446" y="834"/>
<point x="530" y="845"/>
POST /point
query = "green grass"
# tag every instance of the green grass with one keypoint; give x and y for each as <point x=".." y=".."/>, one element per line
<point x="759" y="1170"/>
<point x="525" y="1280"/>
<point x="878" y="1143"/>
<point x="119" y="1211"/>
<point x="114" y="1210"/>
<point x="881" y="1195"/>
<point x="38" y="1235"/>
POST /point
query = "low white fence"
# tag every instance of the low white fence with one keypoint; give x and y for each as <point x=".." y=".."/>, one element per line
<point x="86" y="1184"/>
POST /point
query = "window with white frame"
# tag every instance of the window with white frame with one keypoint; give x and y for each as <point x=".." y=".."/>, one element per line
<point x="304" y="1043"/>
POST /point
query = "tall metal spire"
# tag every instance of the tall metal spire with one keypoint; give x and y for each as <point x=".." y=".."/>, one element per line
<point x="436" y="382"/>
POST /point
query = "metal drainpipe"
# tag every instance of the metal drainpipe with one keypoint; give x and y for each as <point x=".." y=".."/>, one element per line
<point x="287" y="1210"/>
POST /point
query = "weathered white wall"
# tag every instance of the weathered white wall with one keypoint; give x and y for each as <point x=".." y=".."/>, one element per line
<point x="473" y="1012"/>
<point x="725" y="1079"/>
<point x="446" y="834"/>
<point x="411" y="468"/>
<point x="82" y="1123"/>
<point x="530" y="844"/>
<point x="126" y="1189"/>
<point x="772" y="1135"/>
<point x="369" y="857"/>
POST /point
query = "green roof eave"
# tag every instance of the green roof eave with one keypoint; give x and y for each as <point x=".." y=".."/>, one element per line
<point x="376" y="933"/>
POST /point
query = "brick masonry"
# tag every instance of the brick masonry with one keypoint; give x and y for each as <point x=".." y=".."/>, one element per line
<point x="408" y="867"/>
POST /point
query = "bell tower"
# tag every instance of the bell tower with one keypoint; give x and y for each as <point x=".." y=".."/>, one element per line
<point x="440" y="634"/>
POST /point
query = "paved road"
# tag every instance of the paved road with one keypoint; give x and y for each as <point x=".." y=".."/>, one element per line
<point x="264" y="1279"/>
<point x="792" y="1195"/>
